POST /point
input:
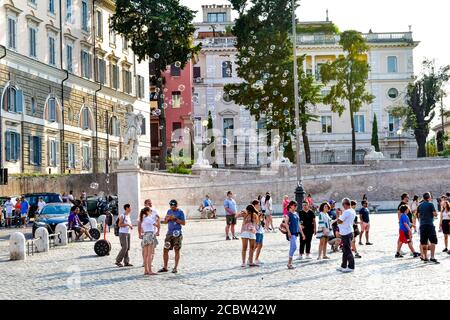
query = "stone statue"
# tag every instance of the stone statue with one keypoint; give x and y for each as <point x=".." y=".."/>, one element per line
<point x="373" y="155"/>
<point x="131" y="136"/>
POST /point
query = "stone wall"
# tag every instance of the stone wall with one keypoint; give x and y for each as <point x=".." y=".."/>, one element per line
<point x="382" y="182"/>
<point x="59" y="184"/>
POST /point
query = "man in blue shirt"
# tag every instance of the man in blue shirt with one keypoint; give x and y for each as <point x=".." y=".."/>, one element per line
<point x="175" y="219"/>
<point x="428" y="238"/>
<point x="208" y="208"/>
<point x="405" y="235"/>
<point x="231" y="211"/>
<point x="24" y="208"/>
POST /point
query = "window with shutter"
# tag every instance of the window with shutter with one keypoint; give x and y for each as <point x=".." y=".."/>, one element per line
<point x="30" y="150"/>
<point x="19" y="101"/>
<point x="8" y="145"/>
<point x="52" y="110"/>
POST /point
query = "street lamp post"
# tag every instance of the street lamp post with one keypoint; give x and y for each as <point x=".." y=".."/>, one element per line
<point x="399" y="133"/>
<point x="299" y="191"/>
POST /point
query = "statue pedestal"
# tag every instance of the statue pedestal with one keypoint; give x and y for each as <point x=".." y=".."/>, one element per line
<point x="201" y="163"/>
<point x="129" y="188"/>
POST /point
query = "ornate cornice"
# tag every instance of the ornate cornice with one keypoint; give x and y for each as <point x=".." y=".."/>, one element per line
<point x="11" y="7"/>
<point x="32" y="17"/>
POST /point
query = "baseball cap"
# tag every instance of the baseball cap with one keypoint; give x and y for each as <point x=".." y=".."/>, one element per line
<point x="332" y="202"/>
<point x="173" y="203"/>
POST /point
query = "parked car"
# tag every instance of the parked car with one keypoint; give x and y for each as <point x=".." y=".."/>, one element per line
<point x="52" y="215"/>
<point x="97" y="205"/>
<point x="33" y="199"/>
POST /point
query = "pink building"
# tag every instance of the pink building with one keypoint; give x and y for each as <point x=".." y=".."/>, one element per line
<point x="178" y="97"/>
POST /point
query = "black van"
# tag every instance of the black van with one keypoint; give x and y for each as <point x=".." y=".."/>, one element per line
<point x="33" y="198"/>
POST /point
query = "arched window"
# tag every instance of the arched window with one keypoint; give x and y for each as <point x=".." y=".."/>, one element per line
<point x="51" y="105"/>
<point x="227" y="69"/>
<point x="13" y="99"/>
<point x="86" y="119"/>
<point x="114" y="127"/>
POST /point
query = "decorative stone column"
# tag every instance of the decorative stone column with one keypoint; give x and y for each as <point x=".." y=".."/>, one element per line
<point x="129" y="188"/>
<point x="61" y="239"/>
<point x="42" y="242"/>
<point x="17" y="246"/>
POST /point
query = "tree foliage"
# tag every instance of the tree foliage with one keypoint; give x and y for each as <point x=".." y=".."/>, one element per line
<point x="159" y="31"/>
<point x="374" y="141"/>
<point x="423" y="95"/>
<point x="265" y="63"/>
<point x="348" y="76"/>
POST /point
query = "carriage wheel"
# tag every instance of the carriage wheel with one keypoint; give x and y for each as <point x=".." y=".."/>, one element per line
<point x="102" y="248"/>
<point x="95" y="233"/>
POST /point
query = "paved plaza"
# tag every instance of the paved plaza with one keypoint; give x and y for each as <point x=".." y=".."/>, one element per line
<point x="210" y="269"/>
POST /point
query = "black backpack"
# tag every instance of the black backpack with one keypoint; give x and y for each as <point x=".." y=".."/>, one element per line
<point x="116" y="227"/>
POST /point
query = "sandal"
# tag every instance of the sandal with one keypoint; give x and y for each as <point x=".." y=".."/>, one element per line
<point x="174" y="270"/>
<point x="290" y="267"/>
<point x="163" y="270"/>
<point x="119" y="264"/>
<point x="326" y="258"/>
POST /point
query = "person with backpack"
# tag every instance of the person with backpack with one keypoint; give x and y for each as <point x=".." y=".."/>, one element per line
<point x="123" y="227"/>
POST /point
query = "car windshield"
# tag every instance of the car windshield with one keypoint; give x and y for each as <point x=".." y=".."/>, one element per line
<point x="56" y="210"/>
<point x="49" y="198"/>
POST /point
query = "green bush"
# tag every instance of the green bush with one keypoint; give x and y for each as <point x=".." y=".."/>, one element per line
<point x="179" y="170"/>
<point x="445" y="153"/>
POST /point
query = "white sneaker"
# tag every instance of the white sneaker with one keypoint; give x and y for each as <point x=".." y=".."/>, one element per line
<point x="308" y="257"/>
<point x="258" y="262"/>
<point x="348" y="270"/>
<point x="300" y="258"/>
<point x="340" y="269"/>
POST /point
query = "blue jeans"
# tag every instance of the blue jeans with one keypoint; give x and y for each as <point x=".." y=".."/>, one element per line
<point x="293" y="246"/>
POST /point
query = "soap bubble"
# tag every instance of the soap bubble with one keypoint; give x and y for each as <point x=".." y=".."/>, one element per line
<point x="165" y="105"/>
<point x="285" y="99"/>
<point x="167" y="245"/>
<point x="161" y="127"/>
<point x="157" y="112"/>
<point x="94" y="185"/>
<point x="272" y="47"/>
<point x="181" y="87"/>
<point x="177" y="64"/>
<point x="370" y="188"/>
<point x="286" y="112"/>
<point x="156" y="56"/>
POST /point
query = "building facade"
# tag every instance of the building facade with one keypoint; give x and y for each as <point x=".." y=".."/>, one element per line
<point x="215" y="68"/>
<point x="66" y="82"/>
<point x="390" y="57"/>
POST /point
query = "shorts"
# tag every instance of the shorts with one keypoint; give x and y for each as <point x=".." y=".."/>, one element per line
<point x="23" y="215"/>
<point x="259" y="238"/>
<point x="248" y="235"/>
<point x="446" y="226"/>
<point x="172" y="242"/>
<point x="404" y="237"/>
<point x="428" y="233"/>
<point x="231" y="220"/>
<point x="148" y="239"/>
<point x="365" y="226"/>
<point x="8" y="215"/>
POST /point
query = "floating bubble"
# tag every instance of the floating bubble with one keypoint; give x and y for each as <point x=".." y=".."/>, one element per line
<point x="157" y="112"/>
<point x="177" y="64"/>
<point x="181" y="87"/>
<point x="370" y="188"/>
<point x="272" y="47"/>
<point x="275" y="93"/>
<point x="286" y="112"/>
<point x="160" y="144"/>
<point x="167" y="245"/>
<point x="156" y="56"/>
<point x="94" y="185"/>
<point x="285" y="99"/>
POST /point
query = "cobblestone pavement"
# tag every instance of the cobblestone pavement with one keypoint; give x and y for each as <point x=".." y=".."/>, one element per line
<point x="210" y="269"/>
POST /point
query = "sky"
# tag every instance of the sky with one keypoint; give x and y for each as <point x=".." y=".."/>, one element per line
<point x="429" y="20"/>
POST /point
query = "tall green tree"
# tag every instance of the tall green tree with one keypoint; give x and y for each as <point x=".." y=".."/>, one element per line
<point x="265" y="63"/>
<point x="374" y="141"/>
<point x="348" y="75"/>
<point x="160" y="31"/>
<point x="423" y="95"/>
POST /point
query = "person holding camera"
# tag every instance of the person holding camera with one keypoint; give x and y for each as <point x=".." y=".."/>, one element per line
<point x="175" y="219"/>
